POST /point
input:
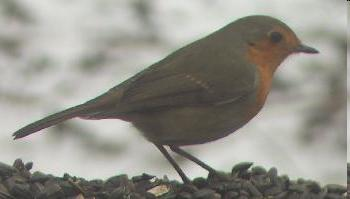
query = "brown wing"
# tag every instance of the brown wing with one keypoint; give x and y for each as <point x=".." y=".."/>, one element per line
<point x="194" y="75"/>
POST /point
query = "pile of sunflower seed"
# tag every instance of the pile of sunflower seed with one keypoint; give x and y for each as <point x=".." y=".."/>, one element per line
<point x="244" y="182"/>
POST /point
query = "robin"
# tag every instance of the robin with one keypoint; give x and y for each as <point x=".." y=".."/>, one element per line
<point x="199" y="93"/>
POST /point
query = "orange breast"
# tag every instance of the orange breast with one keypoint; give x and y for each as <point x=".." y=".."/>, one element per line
<point x="266" y="66"/>
<point x="264" y="86"/>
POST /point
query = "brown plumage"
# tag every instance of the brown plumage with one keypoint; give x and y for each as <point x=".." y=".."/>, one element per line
<point x="201" y="92"/>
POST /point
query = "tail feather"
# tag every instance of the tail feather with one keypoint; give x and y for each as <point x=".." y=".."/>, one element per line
<point x="50" y="121"/>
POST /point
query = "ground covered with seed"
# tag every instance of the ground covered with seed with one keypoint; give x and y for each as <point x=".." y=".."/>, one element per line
<point x="244" y="182"/>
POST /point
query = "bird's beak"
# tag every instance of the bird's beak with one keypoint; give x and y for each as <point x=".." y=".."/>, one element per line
<point x="305" y="49"/>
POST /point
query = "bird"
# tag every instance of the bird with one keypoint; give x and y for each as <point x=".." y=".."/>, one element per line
<point x="201" y="92"/>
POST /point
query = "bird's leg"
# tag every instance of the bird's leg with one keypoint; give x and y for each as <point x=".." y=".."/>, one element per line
<point x="193" y="159"/>
<point x="183" y="176"/>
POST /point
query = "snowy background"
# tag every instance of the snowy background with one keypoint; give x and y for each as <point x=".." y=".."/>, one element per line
<point x="56" y="54"/>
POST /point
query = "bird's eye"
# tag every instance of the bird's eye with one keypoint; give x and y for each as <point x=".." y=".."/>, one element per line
<point x="275" y="37"/>
<point x="251" y="43"/>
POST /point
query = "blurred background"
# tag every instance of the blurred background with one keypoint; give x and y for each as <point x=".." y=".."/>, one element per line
<point x="56" y="54"/>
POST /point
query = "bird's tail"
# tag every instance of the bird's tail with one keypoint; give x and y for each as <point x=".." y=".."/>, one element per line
<point x="51" y="120"/>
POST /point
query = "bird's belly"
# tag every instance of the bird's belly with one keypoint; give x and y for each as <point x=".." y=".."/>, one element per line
<point x="193" y="125"/>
